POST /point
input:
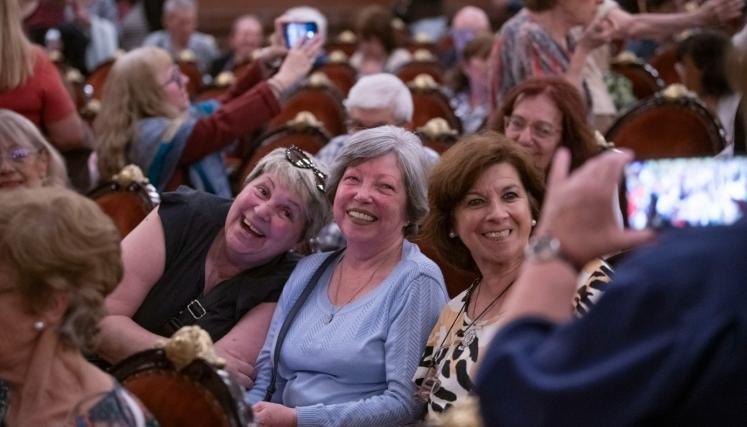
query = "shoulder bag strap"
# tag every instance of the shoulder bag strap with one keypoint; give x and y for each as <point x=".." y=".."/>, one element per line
<point x="289" y="320"/>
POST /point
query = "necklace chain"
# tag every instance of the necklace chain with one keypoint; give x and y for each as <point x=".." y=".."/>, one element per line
<point x="336" y="309"/>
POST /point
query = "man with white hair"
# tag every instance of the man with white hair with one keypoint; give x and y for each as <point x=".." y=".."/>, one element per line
<point x="179" y="33"/>
<point x="375" y="100"/>
<point x="246" y="37"/>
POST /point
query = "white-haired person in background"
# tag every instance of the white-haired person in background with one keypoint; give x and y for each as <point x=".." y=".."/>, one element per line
<point x="375" y="100"/>
<point x="180" y="32"/>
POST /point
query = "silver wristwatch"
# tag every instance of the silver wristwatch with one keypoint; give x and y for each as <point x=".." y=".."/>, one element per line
<point x="547" y="248"/>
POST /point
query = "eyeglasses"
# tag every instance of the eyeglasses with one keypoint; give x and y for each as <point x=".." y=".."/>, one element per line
<point x="298" y="159"/>
<point x="16" y="155"/>
<point x="538" y="130"/>
<point x="175" y="77"/>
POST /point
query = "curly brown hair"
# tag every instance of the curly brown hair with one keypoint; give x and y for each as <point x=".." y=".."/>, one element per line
<point x="577" y="135"/>
<point x="455" y="174"/>
<point x="52" y="239"/>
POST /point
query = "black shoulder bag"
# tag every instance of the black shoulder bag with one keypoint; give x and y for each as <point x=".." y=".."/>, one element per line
<point x="292" y="315"/>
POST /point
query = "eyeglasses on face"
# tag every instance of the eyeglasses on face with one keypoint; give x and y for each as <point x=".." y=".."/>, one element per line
<point x="300" y="160"/>
<point x="17" y="155"/>
<point x="538" y="130"/>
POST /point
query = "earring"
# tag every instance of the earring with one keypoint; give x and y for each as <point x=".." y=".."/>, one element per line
<point x="534" y="222"/>
<point x="452" y="234"/>
<point x="39" y="325"/>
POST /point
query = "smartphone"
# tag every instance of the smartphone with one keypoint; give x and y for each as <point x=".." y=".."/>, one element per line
<point x="685" y="192"/>
<point x="294" y="32"/>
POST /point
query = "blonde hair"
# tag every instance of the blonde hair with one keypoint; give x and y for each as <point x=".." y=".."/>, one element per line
<point x="132" y="92"/>
<point x="54" y="240"/>
<point x="16" y="51"/>
<point x="17" y="128"/>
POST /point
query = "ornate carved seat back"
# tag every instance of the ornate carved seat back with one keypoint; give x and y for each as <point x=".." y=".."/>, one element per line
<point x="423" y="62"/>
<point x="673" y="123"/>
<point x="339" y="71"/>
<point x="643" y="76"/>
<point x="430" y="102"/>
<point x="319" y="97"/>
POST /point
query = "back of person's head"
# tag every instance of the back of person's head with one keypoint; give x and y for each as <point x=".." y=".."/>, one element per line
<point x="55" y="242"/>
<point x="375" y="23"/>
<point x="16" y="53"/>
<point x="382" y="91"/>
<point x="540" y="5"/>
<point x="707" y="50"/>
<point x="577" y="135"/>
<point x="18" y="131"/>
<point x="132" y="92"/>
<point x="308" y="14"/>
<point x="455" y="175"/>
<point x="376" y="142"/>
<point x="302" y="180"/>
<point x="471" y="18"/>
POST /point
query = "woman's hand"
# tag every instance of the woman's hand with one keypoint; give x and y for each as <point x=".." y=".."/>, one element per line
<point x="241" y="370"/>
<point x="268" y="414"/>
<point x="721" y="11"/>
<point x="297" y="64"/>
<point x="599" y="32"/>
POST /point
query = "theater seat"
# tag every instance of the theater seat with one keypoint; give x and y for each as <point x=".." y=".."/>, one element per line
<point x="437" y="134"/>
<point x="672" y="123"/>
<point x="430" y="102"/>
<point x="339" y="71"/>
<point x="127" y="198"/>
<point x="644" y="78"/>
<point x="182" y="386"/>
<point x="423" y="62"/>
<point x="318" y="96"/>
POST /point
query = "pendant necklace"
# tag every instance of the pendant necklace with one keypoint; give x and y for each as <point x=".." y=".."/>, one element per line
<point x="330" y="316"/>
<point x="470" y="332"/>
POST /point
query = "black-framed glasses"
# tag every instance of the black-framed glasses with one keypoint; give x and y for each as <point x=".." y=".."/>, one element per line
<point x="302" y="161"/>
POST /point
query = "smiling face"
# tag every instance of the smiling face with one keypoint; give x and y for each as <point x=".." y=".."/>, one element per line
<point x="370" y="202"/>
<point x="536" y="124"/>
<point x="174" y="84"/>
<point x="266" y="219"/>
<point x="494" y="218"/>
<point x="22" y="165"/>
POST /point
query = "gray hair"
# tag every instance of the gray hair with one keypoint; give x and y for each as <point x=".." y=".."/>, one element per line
<point x="17" y="128"/>
<point x="308" y="13"/>
<point x="302" y="181"/>
<point x="413" y="163"/>
<point x="382" y="91"/>
<point x="170" y="6"/>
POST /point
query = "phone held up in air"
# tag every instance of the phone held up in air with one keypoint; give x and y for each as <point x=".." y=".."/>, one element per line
<point x="295" y="32"/>
<point x="685" y="192"/>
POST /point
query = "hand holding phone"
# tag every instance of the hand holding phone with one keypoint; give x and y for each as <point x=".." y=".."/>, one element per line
<point x="295" y="32"/>
<point x="691" y="192"/>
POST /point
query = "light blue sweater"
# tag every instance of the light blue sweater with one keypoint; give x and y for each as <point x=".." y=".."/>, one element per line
<point x="356" y="370"/>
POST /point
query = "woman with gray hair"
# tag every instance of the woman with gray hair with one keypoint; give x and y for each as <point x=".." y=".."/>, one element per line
<point x="26" y="158"/>
<point x="354" y="320"/>
<point x="59" y="257"/>
<point x="200" y="259"/>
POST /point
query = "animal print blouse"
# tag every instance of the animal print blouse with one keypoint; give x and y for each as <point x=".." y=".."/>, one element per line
<point x="453" y="345"/>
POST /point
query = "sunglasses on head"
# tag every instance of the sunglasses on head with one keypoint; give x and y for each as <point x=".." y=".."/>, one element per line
<point x="300" y="160"/>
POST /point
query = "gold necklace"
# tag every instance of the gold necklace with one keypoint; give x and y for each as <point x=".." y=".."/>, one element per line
<point x="328" y="319"/>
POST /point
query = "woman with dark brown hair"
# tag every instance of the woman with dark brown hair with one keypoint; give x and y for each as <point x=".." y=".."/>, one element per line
<point x="470" y="83"/>
<point x="545" y="113"/>
<point x="377" y="47"/>
<point x="484" y="198"/>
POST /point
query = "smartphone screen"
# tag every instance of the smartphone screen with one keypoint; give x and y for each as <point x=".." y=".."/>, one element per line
<point x="690" y="192"/>
<point x="294" y="32"/>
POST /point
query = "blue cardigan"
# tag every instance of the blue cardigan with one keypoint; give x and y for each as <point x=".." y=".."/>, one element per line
<point x="356" y="370"/>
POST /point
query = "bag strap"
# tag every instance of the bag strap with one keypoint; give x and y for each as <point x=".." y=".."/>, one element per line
<point x="292" y="315"/>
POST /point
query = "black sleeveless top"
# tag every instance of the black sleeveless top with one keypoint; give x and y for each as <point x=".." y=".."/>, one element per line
<point x="191" y="220"/>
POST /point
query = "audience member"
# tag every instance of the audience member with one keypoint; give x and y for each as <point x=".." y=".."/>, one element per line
<point x="545" y="113"/>
<point x="377" y="50"/>
<point x="352" y="341"/>
<point x="423" y="17"/>
<point x="666" y="340"/>
<point x="468" y="23"/>
<point x="484" y="198"/>
<point x="26" y="158"/>
<point x="31" y="85"/>
<point x="205" y="260"/>
<point x="179" y="33"/>
<point x="246" y="38"/>
<point x="87" y="39"/>
<point x="59" y="257"/>
<point x="375" y="100"/>
<point x="537" y="42"/>
<point x="471" y="84"/>
<point x="701" y="63"/>
<point x="146" y="117"/>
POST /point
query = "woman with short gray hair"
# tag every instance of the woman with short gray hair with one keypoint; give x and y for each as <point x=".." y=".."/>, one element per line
<point x="354" y="320"/>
